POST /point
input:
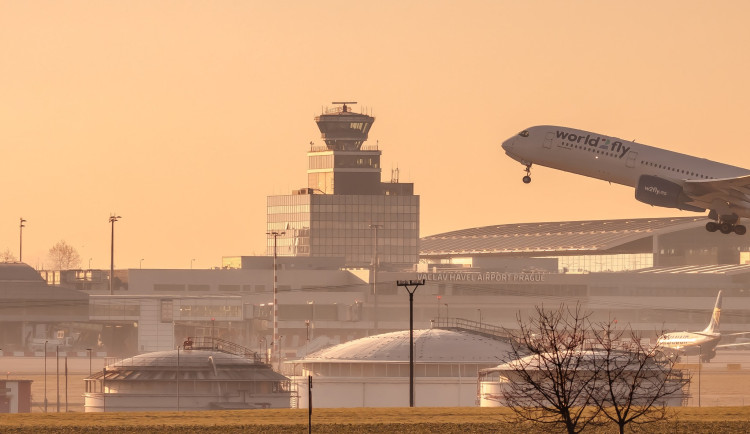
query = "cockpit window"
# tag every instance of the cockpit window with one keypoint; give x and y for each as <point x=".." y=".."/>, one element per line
<point x="524" y="133"/>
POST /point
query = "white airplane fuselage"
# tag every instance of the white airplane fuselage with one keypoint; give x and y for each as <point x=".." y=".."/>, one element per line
<point x="619" y="161"/>
<point x="690" y="343"/>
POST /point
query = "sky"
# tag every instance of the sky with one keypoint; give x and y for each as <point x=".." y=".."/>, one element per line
<point x="182" y="116"/>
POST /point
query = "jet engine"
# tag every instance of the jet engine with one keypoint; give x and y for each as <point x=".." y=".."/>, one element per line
<point x="661" y="192"/>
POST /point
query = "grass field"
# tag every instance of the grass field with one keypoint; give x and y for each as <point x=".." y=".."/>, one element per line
<point x="359" y="420"/>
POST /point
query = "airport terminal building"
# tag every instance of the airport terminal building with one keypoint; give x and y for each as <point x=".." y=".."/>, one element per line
<point x="654" y="274"/>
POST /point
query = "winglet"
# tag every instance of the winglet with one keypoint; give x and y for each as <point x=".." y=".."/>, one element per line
<point x="713" y="325"/>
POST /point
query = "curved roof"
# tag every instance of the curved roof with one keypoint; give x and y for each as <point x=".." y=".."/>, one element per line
<point x="189" y="365"/>
<point x="552" y="237"/>
<point x="18" y="272"/>
<point x="188" y="359"/>
<point x="25" y="296"/>
<point x="430" y="346"/>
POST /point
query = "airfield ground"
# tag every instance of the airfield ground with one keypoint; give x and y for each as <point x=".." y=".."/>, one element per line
<point x="724" y="391"/>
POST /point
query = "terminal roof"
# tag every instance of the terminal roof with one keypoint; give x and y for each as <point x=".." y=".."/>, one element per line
<point x="552" y="238"/>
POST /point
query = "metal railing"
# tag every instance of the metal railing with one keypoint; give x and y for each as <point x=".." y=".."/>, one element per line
<point x="217" y="344"/>
<point x="462" y="324"/>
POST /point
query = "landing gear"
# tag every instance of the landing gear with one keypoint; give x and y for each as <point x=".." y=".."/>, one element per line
<point x="725" y="224"/>
<point x="527" y="178"/>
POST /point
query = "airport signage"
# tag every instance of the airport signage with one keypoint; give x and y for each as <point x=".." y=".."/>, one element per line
<point x="476" y="276"/>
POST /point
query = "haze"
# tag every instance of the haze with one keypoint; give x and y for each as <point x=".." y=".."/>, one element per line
<point x="182" y="116"/>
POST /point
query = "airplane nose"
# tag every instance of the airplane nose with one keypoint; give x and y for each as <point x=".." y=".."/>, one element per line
<point x="507" y="145"/>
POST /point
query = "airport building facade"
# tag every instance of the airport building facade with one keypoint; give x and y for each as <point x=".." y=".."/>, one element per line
<point x="488" y="275"/>
<point x="346" y="210"/>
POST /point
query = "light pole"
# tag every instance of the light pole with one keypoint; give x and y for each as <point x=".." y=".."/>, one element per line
<point x="312" y="317"/>
<point x="307" y="341"/>
<point x="57" y="363"/>
<point x="438" y="309"/>
<point x="447" y="317"/>
<point x="104" y="393"/>
<point x="480" y="317"/>
<point x="275" y="343"/>
<point x="45" y="376"/>
<point x="700" y="357"/>
<point x="178" y="378"/>
<point x="89" y="350"/>
<point x="90" y="263"/>
<point x="375" y="273"/>
<point x="20" y="239"/>
<point x="406" y="284"/>
<point x="191" y="263"/>
<point x="263" y="345"/>
<point x="112" y="219"/>
<point x="140" y="264"/>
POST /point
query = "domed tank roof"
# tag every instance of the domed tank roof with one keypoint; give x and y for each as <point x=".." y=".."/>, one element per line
<point x="188" y="359"/>
<point x="430" y="345"/>
<point x="191" y="365"/>
<point x="18" y="272"/>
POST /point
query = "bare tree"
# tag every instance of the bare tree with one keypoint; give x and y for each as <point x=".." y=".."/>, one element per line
<point x="64" y="256"/>
<point x="636" y="381"/>
<point x="7" y="256"/>
<point x="548" y="371"/>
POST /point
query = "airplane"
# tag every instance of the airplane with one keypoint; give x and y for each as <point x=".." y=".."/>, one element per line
<point x="660" y="177"/>
<point x="703" y="343"/>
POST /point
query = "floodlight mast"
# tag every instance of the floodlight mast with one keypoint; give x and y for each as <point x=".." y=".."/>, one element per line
<point x="406" y="284"/>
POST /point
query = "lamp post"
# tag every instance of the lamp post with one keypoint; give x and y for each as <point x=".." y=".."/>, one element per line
<point x="140" y="264"/>
<point x="178" y="378"/>
<point x="89" y="350"/>
<point x="407" y="284"/>
<point x="275" y="343"/>
<point x="480" y="317"/>
<point x="57" y="363"/>
<point x="447" y="317"/>
<point x="112" y="219"/>
<point x="104" y="393"/>
<point x="375" y="273"/>
<point x="20" y="239"/>
<point x="700" y="357"/>
<point x="191" y="263"/>
<point x="307" y="341"/>
<point x="45" y="376"/>
<point x="262" y="344"/>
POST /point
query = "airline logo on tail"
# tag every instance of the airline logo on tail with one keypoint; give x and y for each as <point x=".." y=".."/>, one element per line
<point x="713" y="326"/>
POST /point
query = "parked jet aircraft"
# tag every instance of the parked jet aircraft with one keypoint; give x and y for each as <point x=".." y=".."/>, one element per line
<point x="660" y="177"/>
<point x="703" y="343"/>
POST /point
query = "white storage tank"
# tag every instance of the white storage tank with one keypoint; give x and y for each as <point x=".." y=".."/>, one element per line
<point x="195" y="377"/>
<point x="374" y="371"/>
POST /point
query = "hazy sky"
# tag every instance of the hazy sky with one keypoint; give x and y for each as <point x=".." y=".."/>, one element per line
<point x="182" y="116"/>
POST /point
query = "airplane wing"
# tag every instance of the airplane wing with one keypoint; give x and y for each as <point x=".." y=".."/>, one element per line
<point x="741" y="344"/>
<point x="735" y="191"/>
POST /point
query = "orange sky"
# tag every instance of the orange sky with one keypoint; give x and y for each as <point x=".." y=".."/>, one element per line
<point x="182" y="116"/>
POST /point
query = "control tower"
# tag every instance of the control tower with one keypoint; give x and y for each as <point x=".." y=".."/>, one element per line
<point x="346" y="211"/>
<point x="344" y="165"/>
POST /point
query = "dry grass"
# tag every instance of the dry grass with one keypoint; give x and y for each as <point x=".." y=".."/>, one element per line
<point x="358" y="420"/>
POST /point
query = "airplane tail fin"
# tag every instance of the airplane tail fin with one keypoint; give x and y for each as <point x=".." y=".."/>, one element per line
<point x="713" y="326"/>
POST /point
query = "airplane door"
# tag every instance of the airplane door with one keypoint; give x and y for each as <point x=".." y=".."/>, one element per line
<point x="630" y="162"/>
<point x="548" y="140"/>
